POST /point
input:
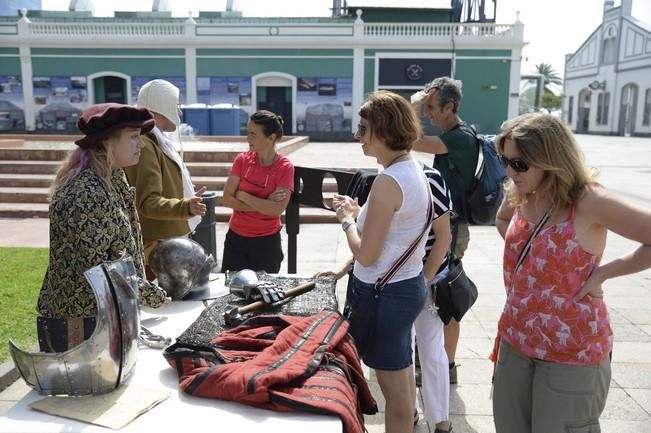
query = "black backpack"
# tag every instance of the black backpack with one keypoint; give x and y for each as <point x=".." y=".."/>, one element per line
<point x="487" y="190"/>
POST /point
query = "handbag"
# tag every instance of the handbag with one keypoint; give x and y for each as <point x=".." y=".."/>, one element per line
<point x="456" y="293"/>
<point x="361" y="312"/>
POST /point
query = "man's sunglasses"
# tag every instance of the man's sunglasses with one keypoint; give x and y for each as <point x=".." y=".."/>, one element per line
<point x="516" y="164"/>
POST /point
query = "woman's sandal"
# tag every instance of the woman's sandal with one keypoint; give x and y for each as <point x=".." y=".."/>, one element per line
<point x="416" y="418"/>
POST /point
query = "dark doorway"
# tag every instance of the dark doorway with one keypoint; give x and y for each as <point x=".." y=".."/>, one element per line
<point x="277" y="100"/>
<point x="583" y="119"/>
<point x="110" y="89"/>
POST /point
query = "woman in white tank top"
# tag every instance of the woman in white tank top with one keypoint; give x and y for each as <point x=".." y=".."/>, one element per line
<point x="393" y="217"/>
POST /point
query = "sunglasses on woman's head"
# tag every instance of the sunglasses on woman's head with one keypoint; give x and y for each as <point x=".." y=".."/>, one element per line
<point x="516" y="164"/>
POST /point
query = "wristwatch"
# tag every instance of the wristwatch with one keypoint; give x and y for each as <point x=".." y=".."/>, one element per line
<point x="346" y="224"/>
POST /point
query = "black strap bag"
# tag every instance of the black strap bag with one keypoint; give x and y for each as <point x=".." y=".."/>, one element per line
<point x="455" y="293"/>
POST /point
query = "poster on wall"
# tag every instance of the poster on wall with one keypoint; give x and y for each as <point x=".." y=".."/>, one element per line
<point x="12" y="114"/>
<point x="58" y="102"/>
<point x="138" y="81"/>
<point x="324" y="105"/>
<point x="235" y="91"/>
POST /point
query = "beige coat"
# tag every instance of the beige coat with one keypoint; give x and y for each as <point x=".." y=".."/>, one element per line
<point x="163" y="211"/>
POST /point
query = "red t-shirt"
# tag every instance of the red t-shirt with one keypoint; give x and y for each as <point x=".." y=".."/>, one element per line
<point x="259" y="181"/>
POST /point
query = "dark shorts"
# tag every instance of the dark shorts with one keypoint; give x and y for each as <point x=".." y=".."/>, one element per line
<point x="263" y="253"/>
<point x="385" y="338"/>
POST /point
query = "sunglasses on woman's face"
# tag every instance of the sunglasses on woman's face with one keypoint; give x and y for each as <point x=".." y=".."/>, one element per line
<point x="516" y="164"/>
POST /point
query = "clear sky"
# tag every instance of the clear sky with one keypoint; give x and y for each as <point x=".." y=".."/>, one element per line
<point x="553" y="28"/>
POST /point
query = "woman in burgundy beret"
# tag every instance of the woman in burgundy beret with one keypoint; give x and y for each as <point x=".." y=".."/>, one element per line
<point x="92" y="219"/>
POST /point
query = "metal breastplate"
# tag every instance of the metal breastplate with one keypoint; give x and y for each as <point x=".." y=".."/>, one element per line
<point x="101" y="363"/>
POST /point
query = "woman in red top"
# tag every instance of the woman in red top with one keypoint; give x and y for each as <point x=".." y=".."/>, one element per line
<point x="258" y="190"/>
<point x="553" y="364"/>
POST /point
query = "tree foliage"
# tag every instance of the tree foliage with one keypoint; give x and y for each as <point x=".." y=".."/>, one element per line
<point x="550" y="101"/>
<point x="549" y="74"/>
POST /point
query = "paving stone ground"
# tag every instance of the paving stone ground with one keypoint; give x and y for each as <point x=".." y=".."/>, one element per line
<point x="625" y="168"/>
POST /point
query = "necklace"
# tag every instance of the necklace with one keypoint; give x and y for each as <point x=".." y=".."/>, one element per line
<point x="395" y="159"/>
<point x="262" y="163"/>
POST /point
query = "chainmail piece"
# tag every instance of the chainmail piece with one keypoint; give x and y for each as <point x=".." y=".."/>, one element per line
<point x="211" y="321"/>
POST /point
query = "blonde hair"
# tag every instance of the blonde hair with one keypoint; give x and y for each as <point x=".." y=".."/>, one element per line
<point x="392" y="119"/>
<point x="545" y="142"/>
<point x="98" y="157"/>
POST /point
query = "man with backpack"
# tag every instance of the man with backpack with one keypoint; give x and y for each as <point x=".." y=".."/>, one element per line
<point x="456" y="155"/>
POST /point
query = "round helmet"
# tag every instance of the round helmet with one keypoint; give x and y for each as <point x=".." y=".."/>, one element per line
<point x="180" y="265"/>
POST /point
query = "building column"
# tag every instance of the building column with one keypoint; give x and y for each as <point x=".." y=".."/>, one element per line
<point x="28" y="87"/>
<point x="25" y="57"/>
<point x="358" y="70"/>
<point x="358" y="85"/>
<point x="514" y="83"/>
<point x="190" y="75"/>
<point x="514" y="74"/>
<point x="190" y="62"/>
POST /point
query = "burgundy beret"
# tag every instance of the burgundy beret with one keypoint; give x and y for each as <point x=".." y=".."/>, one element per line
<point x="99" y="120"/>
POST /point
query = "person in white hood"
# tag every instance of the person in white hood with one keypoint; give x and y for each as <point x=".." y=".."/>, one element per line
<point x="167" y="203"/>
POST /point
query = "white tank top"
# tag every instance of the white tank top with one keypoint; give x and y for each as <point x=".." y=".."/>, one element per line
<point x="406" y="224"/>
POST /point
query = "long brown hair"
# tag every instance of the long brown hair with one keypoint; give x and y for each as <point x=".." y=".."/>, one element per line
<point x="545" y="142"/>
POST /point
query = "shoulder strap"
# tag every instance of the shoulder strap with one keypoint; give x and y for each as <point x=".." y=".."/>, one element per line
<point x="456" y="174"/>
<point x="527" y="245"/>
<point x="381" y="282"/>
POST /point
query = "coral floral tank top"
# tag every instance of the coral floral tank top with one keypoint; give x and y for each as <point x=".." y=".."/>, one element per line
<point x="540" y="318"/>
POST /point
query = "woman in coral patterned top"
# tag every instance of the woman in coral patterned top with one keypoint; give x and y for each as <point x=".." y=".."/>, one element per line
<point x="554" y="335"/>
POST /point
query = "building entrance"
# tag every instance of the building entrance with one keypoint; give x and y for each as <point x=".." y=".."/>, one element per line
<point x="110" y="89"/>
<point x="277" y="100"/>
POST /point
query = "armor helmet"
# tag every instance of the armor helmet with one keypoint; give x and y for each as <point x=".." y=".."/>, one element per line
<point x="243" y="283"/>
<point x="181" y="265"/>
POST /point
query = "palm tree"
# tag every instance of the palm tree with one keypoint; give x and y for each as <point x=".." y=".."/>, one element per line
<point x="550" y="76"/>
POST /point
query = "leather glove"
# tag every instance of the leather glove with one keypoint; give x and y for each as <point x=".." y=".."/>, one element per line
<point x="268" y="292"/>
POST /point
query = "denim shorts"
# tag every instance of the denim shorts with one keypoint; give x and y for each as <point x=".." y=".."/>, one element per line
<point x="395" y="311"/>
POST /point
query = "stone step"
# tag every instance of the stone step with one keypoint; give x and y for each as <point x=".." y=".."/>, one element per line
<point x="29" y="167"/>
<point x="214" y="169"/>
<point x="51" y="167"/>
<point x="26" y="180"/>
<point x="222" y="214"/>
<point x="33" y="154"/>
<point x="24" y="195"/>
<point x="211" y="156"/>
<point x="213" y="183"/>
<point x="206" y="149"/>
<point x="41" y="195"/>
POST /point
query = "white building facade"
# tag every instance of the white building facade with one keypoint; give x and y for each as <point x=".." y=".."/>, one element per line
<point x="607" y="84"/>
<point x="316" y="72"/>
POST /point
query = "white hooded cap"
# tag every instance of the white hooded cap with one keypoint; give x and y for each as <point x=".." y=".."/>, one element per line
<point x="161" y="97"/>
